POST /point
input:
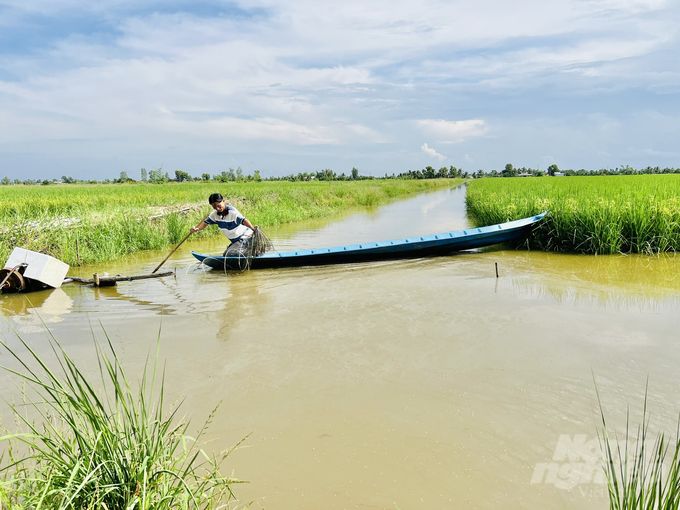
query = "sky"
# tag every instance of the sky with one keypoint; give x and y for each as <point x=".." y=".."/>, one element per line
<point x="90" y="89"/>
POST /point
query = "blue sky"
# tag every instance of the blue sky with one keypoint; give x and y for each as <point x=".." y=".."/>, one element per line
<point x="89" y="90"/>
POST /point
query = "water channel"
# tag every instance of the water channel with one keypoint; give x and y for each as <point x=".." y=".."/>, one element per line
<point x="425" y="383"/>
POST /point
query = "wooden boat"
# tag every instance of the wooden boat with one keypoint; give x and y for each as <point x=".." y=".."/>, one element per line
<point x="425" y="246"/>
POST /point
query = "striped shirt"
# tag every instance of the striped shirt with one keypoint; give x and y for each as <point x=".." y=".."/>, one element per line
<point x="230" y="222"/>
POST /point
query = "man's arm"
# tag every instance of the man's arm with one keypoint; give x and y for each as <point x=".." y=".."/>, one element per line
<point x="247" y="223"/>
<point x="198" y="227"/>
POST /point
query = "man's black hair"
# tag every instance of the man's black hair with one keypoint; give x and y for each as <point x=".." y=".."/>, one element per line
<point x="215" y="198"/>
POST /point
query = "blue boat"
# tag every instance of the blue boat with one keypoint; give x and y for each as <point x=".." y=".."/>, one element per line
<point x="425" y="246"/>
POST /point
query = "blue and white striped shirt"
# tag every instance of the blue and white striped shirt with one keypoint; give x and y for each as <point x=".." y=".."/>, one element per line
<point x="230" y="222"/>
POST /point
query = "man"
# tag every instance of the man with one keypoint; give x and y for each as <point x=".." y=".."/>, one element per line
<point x="231" y="222"/>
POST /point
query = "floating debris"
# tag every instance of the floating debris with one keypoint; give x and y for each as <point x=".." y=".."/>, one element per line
<point x="27" y="270"/>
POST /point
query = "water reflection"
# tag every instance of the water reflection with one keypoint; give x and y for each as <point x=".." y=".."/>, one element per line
<point x="623" y="281"/>
<point x="31" y="310"/>
<point x="429" y="213"/>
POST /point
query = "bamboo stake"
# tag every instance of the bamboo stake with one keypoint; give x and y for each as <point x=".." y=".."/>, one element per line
<point x="173" y="251"/>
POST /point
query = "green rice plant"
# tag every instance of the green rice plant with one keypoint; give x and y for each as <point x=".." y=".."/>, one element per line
<point x="109" y="448"/>
<point x="176" y="228"/>
<point x="83" y="224"/>
<point x="596" y="215"/>
<point x="641" y="476"/>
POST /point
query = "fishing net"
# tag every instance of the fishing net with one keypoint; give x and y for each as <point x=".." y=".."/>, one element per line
<point x="259" y="243"/>
<point x="244" y="250"/>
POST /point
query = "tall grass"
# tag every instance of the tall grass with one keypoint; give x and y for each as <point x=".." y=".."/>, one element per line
<point x="641" y="476"/>
<point x="82" y="224"/>
<point x="101" y="444"/>
<point x="597" y="215"/>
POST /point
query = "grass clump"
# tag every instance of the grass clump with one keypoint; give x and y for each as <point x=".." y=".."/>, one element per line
<point x="109" y="448"/>
<point x="594" y="215"/>
<point x="641" y="475"/>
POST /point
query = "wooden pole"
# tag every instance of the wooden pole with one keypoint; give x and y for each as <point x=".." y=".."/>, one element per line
<point x="173" y="251"/>
<point x="103" y="281"/>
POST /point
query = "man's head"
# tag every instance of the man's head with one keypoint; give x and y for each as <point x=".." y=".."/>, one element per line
<point x="216" y="200"/>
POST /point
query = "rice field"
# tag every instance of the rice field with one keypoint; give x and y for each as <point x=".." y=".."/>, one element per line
<point x="595" y="215"/>
<point x="83" y="224"/>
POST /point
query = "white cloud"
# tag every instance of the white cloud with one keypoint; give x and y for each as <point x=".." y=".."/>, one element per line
<point x="453" y="131"/>
<point x="432" y="153"/>
<point x="306" y="73"/>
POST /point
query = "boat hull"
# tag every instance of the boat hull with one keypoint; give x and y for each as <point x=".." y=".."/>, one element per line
<point x="415" y="247"/>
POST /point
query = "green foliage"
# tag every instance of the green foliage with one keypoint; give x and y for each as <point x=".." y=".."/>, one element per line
<point x="182" y="176"/>
<point x="157" y="176"/>
<point x="122" y="179"/>
<point x="608" y="214"/>
<point x="99" y="443"/>
<point x="509" y="171"/>
<point x="430" y="173"/>
<point x="640" y="477"/>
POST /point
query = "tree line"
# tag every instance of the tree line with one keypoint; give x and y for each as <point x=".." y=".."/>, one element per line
<point x="159" y="176"/>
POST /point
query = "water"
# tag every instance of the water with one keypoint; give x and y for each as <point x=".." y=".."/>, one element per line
<point x="425" y="383"/>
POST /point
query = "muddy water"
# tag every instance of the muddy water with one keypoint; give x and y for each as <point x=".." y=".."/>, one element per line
<point x="408" y="384"/>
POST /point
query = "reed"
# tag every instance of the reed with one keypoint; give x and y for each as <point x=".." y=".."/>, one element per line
<point x="109" y="448"/>
<point x="596" y="215"/>
<point x="83" y="224"/>
<point x="641" y="475"/>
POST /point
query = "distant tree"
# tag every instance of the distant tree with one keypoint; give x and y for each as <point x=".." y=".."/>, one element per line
<point x="225" y="176"/>
<point x="67" y="180"/>
<point x="123" y="176"/>
<point x="509" y="171"/>
<point x="239" y="174"/>
<point x="6" y="181"/>
<point x="205" y="176"/>
<point x="326" y="175"/>
<point x="144" y="174"/>
<point x="355" y="173"/>
<point x="182" y="176"/>
<point x="552" y="169"/>
<point x="157" y="177"/>
<point x="256" y="176"/>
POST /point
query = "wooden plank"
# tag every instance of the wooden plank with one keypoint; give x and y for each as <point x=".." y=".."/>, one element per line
<point x="105" y="280"/>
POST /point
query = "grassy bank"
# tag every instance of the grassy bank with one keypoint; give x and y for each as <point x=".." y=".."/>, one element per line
<point x="82" y="224"/>
<point x="95" y="443"/>
<point x="597" y="215"/>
